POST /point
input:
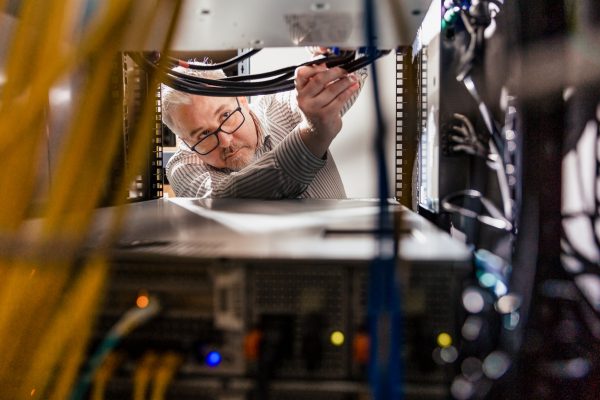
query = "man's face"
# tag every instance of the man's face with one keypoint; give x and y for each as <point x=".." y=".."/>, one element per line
<point x="204" y="115"/>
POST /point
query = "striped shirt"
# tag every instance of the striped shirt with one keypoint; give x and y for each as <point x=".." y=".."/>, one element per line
<point x="283" y="167"/>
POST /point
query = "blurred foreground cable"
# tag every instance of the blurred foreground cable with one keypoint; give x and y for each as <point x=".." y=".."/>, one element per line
<point x="128" y="322"/>
<point x="167" y="367"/>
<point x="105" y="372"/>
<point x="49" y="289"/>
<point x="386" y="367"/>
<point x="142" y="375"/>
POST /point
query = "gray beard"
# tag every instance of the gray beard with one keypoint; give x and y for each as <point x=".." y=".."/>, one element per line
<point x="238" y="163"/>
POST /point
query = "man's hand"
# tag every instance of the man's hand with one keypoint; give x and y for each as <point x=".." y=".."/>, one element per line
<point x="322" y="93"/>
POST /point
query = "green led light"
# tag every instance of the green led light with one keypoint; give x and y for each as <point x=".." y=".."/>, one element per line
<point x="487" y="280"/>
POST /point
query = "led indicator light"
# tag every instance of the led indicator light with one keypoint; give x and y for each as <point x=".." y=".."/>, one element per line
<point x="337" y="338"/>
<point x="444" y="340"/>
<point x="142" y="301"/>
<point x="213" y="359"/>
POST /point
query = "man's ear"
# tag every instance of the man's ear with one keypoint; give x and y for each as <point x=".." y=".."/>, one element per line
<point x="243" y="100"/>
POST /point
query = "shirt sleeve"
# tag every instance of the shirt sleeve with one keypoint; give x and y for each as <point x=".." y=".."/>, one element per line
<point x="284" y="172"/>
<point x="188" y="175"/>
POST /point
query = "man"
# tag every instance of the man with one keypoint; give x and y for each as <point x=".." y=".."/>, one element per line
<point x="276" y="148"/>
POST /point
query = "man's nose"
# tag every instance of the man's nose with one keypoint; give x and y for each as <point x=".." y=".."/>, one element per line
<point x="224" y="139"/>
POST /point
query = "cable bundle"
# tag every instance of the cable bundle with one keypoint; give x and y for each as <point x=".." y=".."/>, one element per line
<point x="281" y="80"/>
<point x="48" y="292"/>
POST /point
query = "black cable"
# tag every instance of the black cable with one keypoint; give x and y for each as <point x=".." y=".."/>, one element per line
<point x="195" y="82"/>
<point x="342" y="62"/>
<point x="197" y="79"/>
<point x="225" y="88"/>
<point x="201" y="90"/>
<point x="331" y="62"/>
<point x="495" y="219"/>
<point x="222" y="65"/>
<point x="288" y="72"/>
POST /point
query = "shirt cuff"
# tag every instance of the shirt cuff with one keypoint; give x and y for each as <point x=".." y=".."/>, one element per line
<point x="296" y="160"/>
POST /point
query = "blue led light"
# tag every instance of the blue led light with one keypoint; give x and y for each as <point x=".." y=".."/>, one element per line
<point x="213" y="358"/>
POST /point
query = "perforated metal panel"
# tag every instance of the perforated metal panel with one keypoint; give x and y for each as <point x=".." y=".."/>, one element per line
<point x="429" y="307"/>
<point x="190" y="320"/>
<point x="299" y="292"/>
<point x="148" y="183"/>
<point x="407" y="126"/>
<point x="424" y="148"/>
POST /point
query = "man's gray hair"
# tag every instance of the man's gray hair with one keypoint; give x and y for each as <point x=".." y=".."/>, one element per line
<point x="171" y="98"/>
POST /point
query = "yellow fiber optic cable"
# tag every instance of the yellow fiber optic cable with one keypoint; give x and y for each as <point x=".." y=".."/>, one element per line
<point x="75" y="310"/>
<point x="16" y="114"/>
<point x="22" y="47"/>
<point x="2" y="5"/>
<point x="145" y="126"/>
<point x="146" y="122"/>
<point x="34" y="303"/>
<point x="20" y="201"/>
<point x="22" y="297"/>
<point x="104" y="374"/>
<point x="100" y="162"/>
<point x="91" y="168"/>
<point x="78" y="152"/>
<point x="167" y="367"/>
<point x="47" y="304"/>
<point x="72" y="359"/>
<point x="9" y="310"/>
<point x="142" y="375"/>
<point x="85" y="207"/>
<point x="99" y="169"/>
<point x="16" y="297"/>
<point x="45" y="42"/>
<point x="82" y="138"/>
<point x="29" y="37"/>
<point x="22" y="179"/>
<point x="28" y="297"/>
<point x="63" y="15"/>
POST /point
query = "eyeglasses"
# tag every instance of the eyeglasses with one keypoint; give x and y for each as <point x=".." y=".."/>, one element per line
<point x="210" y="140"/>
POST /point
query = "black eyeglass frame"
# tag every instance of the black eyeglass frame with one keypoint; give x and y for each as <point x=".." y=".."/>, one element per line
<point x="219" y="129"/>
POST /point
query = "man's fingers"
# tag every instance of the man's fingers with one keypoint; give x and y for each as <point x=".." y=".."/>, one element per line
<point x="322" y="80"/>
<point x="303" y="74"/>
<point x="461" y="129"/>
<point x="333" y="90"/>
<point x="336" y="104"/>
<point x="458" y="139"/>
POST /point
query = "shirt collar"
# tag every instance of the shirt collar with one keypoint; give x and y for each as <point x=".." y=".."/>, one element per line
<point x="264" y="138"/>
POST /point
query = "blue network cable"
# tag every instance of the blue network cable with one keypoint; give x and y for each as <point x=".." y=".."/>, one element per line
<point x="386" y="372"/>
<point x="133" y="318"/>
